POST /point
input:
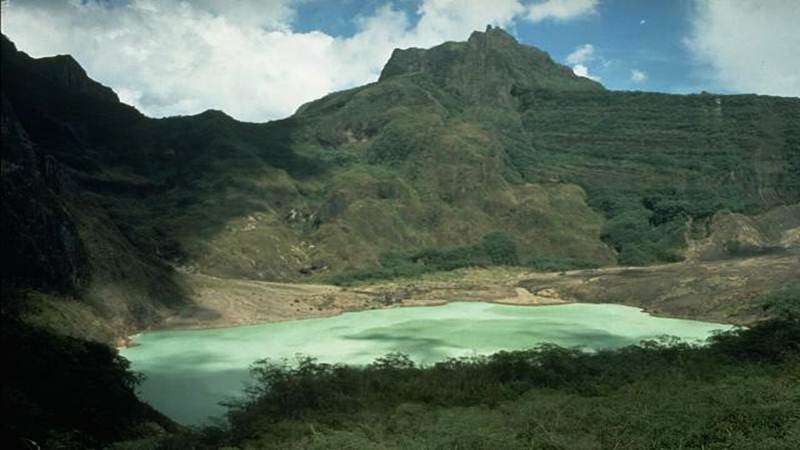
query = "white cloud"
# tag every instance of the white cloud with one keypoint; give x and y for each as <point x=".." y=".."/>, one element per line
<point x="638" y="76"/>
<point x="454" y="19"/>
<point x="179" y="58"/>
<point x="581" y="54"/>
<point x="580" y="57"/>
<point x="561" y="9"/>
<point x="241" y="56"/>
<point x="583" y="71"/>
<point x="749" y="45"/>
<point x="642" y="22"/>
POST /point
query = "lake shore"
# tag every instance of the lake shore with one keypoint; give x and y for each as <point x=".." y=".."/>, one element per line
<point x="723" y="291"/>
<point x="216" y="362"/>
<point x="225" y="303"/>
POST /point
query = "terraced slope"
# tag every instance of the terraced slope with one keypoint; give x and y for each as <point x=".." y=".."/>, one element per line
<point x="471" y="153"/>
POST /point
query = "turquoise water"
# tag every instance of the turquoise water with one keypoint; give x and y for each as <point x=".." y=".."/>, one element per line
<point x="189" y="372"/>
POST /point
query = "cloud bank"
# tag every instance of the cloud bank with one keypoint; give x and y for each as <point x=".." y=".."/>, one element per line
<point x="242" y="56"/>
<point x="748" y="44"/>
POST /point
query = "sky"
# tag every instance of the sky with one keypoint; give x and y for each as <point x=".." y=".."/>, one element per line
<point x="259" y="60"/>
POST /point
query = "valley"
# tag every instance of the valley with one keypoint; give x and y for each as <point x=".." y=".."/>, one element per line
<point x="477" y="178"/>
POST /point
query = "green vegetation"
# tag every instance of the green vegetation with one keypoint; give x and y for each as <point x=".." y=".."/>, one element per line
<point x="500" y="248"/>
<point x="652" y="161"/>
<point x="739" y="391"/>
<point x="495" y="249"/>
<point x="396" y="265"/>
<point x="639" y="242"/>
<point x="67" y="393"/>
<point x="784" y="302"/>
<point x="559" y="264"/>
<point x="434" y="167"/>
<point x="422" y="164"/>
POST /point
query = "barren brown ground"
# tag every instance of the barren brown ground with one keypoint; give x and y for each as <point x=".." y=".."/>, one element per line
<point x="724" y="291"/>
<point x="220" y="302"/>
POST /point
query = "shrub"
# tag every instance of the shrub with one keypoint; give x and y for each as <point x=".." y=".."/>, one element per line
<point x="500" y="248"/>
<point x="740" y="381"/>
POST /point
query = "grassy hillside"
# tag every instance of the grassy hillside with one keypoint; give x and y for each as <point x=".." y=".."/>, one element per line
<point x="483" y="152"/>
<point x="429" y="160"/>
<point x="652" y="161"/>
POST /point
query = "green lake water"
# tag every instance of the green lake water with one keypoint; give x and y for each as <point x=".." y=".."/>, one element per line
<point x="189" y="372"/>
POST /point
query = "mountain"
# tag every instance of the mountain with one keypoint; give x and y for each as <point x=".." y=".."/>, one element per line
<point x="476" y="153"/>
<point x="469" y="153"/>
<point x="490" y="67"/>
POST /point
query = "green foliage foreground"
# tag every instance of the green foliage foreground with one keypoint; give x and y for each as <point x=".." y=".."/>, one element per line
<point x="742" y="390"/>
<point x="61" y="392"/>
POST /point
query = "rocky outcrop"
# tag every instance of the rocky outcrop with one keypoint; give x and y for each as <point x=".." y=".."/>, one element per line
<point x="732" y="235"/>
<point x="729" y="290"/>
<point x="41" y="244"/>
<point x="491" y="67"/>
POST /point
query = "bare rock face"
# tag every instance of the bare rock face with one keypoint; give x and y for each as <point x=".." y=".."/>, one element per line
<point x="66" y="72"/>
<point x="57" y="238"/>
<point x="732" y="235"/>
<point x="41" y="244"/>
<point x="791" y="238"/>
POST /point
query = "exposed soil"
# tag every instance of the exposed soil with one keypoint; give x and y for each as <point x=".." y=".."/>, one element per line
<point x="726" y="290"/>
<point x="723" y="291"/>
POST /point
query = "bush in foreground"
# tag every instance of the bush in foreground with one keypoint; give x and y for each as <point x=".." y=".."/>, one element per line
<point x="739" y="391"/>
